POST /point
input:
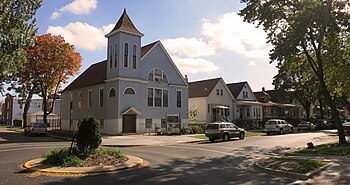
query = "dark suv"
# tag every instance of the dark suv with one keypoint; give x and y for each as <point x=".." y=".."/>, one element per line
<point x="224" y="131"/>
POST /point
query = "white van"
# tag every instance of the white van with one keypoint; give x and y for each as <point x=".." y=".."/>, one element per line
<point x="278" y="126"/>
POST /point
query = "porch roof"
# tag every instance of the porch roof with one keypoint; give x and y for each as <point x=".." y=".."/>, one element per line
<point x="131" y="110"/>
<point x="240" y="102"/>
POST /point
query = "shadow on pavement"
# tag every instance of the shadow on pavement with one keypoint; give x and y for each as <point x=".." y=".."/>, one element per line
<point x="15" y="137"/>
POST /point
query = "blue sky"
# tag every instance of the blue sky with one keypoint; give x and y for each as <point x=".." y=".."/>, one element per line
<point x="205" y="38"/>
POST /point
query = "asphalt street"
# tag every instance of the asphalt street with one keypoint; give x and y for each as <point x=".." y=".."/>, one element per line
<point x="196" y="163"/>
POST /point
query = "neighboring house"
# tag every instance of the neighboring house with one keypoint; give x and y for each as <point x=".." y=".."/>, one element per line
<point x="247" y="107"/>
<point x="136" y="90"/>
<point x="213" y="100"/>
<point x="1" y="112"/>
<point x="13" y="110"/>
<point x="276" y="106"/>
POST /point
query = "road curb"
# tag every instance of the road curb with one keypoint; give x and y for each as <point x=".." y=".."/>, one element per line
<point x="36" y="165"/>
<point x="158" y="144"/>
<point x="293" y="175"/>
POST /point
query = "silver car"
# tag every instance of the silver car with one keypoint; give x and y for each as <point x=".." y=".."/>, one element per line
<point x="308" y="126"/>
<point x="36" y="128"/>
<point x="278" y="126"/>
<point x="224" y="131"/>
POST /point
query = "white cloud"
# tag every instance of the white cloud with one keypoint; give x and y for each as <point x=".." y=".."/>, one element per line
<point x="82" y="35"/>
<point x="194" y="65"/>
<point x="55" y="15"/>
<point x="188" y="47"/>
<point x="252" y="63"/>
<point x="80" y="6"/>
<point x="231" y="33"/>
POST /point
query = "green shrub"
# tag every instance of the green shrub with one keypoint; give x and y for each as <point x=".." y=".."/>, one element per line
<point x="197" y="129"/>
<point x="110" y="152"/>
<point x="72" y="161"/>
<point x="89" y="136"/>
<point x="58" y="156"/>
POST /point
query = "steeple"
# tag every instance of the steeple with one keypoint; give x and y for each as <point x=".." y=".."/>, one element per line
<point x="125" y="24"/>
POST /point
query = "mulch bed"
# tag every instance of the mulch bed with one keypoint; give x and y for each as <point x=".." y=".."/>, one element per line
<point x="94" y="160"/>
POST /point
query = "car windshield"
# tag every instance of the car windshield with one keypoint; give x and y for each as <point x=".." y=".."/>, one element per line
<point x="39" y="125"/>
<point x="271" y="123"/>
<point x="213" y="126"/>
<point x="346" y="124"/>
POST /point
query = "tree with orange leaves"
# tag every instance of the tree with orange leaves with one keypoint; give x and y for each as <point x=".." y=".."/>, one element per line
<point x="51" y="61"/>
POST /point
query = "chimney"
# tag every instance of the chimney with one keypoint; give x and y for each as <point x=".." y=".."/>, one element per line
<point x="263" y="89"/>
<point x="186" y="78"/>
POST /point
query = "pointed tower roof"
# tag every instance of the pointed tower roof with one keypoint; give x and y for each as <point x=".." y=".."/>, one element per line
<point x="125" y="24"/>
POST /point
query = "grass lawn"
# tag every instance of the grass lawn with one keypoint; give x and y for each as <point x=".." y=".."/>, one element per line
<point x="327" y="149"/>
<point x="247" y="134"/>
<point x="292" y="165"/>
<point x="20" y="129"/>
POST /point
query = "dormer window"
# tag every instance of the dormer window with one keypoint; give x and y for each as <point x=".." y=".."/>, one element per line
<point x="126" y="54"/>
<point x="157" y="75"/>
<point x="134" y="56"/>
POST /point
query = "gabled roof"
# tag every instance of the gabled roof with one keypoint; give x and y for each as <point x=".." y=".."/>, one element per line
<point x="95" y="74"/>
<point x="125" y="24"/>
<point x="202" y="88"/>
<point x="273" y="95"/>
<point x="236" y="88"/>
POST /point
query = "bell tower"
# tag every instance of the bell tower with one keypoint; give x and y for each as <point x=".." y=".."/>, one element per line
<point x="123" y="49"/>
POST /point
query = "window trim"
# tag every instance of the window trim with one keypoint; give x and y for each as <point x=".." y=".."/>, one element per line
<point x="179" y="90"/>
<point x="99" y="97"/>
<point x="80" y="99"/>
<point x="116" y="52"/>
<point x="126" y="54"/>
<point x="109" y="92"/>
<point x="154" y="76"/>
<point x="110" y="56"/>
<point x="89" y="102"/>
<point x="129" y="88"/>
<point x="134" y="56"/>
<point x="153" y="97"/>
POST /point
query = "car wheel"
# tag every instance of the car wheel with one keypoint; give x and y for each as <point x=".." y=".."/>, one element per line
<point x="268" y="133"/>
<point x="225" y="137"/>
<point x="281" y="131"/>
<point x="292" y="130"/>
<point x="25" y="133"/>
<point x="211" y="140"/>
<point x="241" y="136"/>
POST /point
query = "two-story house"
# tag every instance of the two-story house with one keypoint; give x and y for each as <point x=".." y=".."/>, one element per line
<point x="135" y="90"/>
<point x="212" y="99"/>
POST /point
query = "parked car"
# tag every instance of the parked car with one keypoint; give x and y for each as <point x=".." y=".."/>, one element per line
<point x="36" y="128"/>
<point x="307" y="126"/>
<point x="224" y="131"/>
<point x="346" y="126"/>
<point x="320" y="124"/>
<point x="278" y="126"/>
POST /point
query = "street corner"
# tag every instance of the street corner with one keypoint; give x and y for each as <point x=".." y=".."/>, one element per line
<point x="261" y="167"/>
<point x="37" y="165"/>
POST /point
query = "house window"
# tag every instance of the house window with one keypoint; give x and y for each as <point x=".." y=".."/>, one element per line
<point x="126" y="54"/>
<point x="248" y="112"/>
<point x="102" y="124"/>
<point x="157" y="75"/>
<point x="178" y="99"/>
<point x="165" y="98"/>
<point x="217" y="92"/>
<point x="208" y="108"/>
<point x="129" y="90"/>
<point x="80" y="98"/>
<point x="221" y="92"/>
<point x="148" y="123"/>
<point x="158" y="97"/>
<point x="112" y="93"/>
<point x="90" y="98"/>
<point x="245" y="94"/>
<point x="101" y="97"/>
<point x="116" y="50"/>
<point x="110" y="56"/>
<point x="150" y="97"/>
<point x="134" y="56"/>
<point x="163" y="123"/>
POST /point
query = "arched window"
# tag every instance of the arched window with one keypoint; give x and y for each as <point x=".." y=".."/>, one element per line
<point x="112" y="93"/>
<point x="126" y="54"/>
<point x="129" y="90"/>
<point x="116" y="49"/>
<point x="134" y="56"/>
<point x="157" y="75"/>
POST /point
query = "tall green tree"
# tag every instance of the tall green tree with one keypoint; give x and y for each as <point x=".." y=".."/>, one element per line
<point x="314" y="29"/>
<point x="17" y="32"/>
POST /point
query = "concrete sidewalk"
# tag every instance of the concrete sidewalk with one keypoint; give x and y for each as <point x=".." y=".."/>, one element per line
<point x="146" y="140"/>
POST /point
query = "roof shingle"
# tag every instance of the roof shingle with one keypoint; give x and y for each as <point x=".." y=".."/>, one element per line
<point x="125" y="24"/>
<point x="236" y="88"/>
<point x="202" y="88"/>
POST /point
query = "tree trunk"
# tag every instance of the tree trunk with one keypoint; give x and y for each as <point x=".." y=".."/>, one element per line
<point x="45" y="108"/>
<point x="334" y="111"/>
<point x="321" y="107"/>
<point x="26" y="108"/>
